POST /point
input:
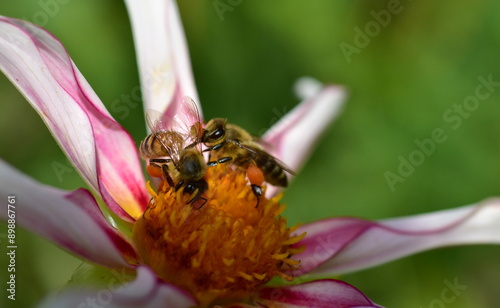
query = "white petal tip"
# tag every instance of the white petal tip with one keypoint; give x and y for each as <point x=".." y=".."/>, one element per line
<point x="306" y="87"/>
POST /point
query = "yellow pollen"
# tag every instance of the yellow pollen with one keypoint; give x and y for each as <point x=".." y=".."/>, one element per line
<point x="223" y="251"/>
<point x="280" y="256"/>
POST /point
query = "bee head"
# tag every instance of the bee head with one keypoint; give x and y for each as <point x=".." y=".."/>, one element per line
<point x="215" y="131"/>
<point x="192" y="165"/>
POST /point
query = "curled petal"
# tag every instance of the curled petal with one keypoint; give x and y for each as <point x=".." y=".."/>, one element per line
<point x="328" y="293"/>
<point x="72" y="220"/>
<point x="305" y="122"/>
<point x="341" y="245"/>
<point x="162" y="54"/>
<point x="101" y="150"/>
<point x="145" y="291"/>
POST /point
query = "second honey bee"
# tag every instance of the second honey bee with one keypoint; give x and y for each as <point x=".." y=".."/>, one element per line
<point x="229" y="142"/>
<point x="178" y="154"/>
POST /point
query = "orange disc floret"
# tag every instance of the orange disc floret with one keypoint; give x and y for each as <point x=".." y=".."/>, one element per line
<point x="223" y="251"/>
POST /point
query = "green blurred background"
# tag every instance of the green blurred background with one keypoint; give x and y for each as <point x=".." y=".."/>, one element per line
<point x="427" y="59"/>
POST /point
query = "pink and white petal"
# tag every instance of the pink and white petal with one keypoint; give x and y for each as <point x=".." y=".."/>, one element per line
<point x="341" y="245"/>
<point x="22" y="63"/>
<point x="306" y="122"/>
<point x="162" y="54"/>
<point x="145" y="291"/>
<point x="70" y="219"/>
<point x="101" y="150"/>
<point x="327" y="293"/>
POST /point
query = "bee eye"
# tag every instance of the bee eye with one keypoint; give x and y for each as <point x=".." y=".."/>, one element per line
<point x="190" y="188"/>
<point x="217" y="134"/>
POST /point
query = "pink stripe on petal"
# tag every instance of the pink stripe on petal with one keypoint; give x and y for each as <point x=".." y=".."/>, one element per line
<point x="328" y="293"/>
<point x="305" y="122"/>
<point x="72" y="220"/>
<point x="341" y="245"/>
<point x="101" y="150"/>
<point x="146" y="291"/>
<point x="162" y="53"/>
<point x="326" y="238"/>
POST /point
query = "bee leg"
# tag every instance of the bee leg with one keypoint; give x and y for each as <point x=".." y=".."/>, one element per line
<point x="199" y="187"/>
<point x="168" y="178"/>
<point x="219" y="161"/>
<point x="256" y="178"/>
<point x="257" y="191"/>
<point x="159" y="161"/>
<point x="191" y="145"/>
<point x="179" y="185"/>
<point x="204" y="200"/>
<point x="162" y="165"/>
<point x="215" y="147"/>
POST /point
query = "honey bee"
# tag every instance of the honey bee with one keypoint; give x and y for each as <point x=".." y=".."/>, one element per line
<point x="229" y="142"/>
<point x="178" y="154"/>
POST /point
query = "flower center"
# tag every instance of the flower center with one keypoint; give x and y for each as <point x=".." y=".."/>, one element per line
<point x="222" y="251"/>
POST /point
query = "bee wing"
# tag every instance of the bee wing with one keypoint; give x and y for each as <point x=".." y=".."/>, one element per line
<point x="266" y="145"/>
<point x="173" y="142"/>
<point x="283" y="165"/>
<point x="260" y="152"/>
<point x="279" y="162"/>
<point x="189" y="112"/>
<point x="154" y="121"/>
<point x="188" y="119"/>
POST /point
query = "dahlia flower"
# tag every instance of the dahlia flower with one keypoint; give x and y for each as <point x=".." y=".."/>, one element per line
<point x="162" y="252"/>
